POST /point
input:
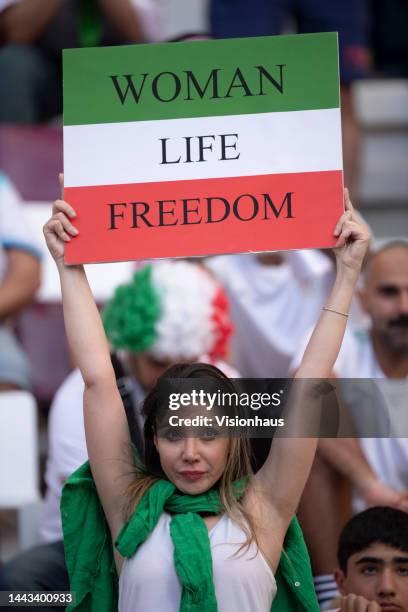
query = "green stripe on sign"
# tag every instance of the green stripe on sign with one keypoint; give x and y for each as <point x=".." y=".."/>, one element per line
<point x="201" y="79"/>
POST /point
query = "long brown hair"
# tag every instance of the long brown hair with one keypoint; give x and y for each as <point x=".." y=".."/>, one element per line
<point x="148" y="470"/>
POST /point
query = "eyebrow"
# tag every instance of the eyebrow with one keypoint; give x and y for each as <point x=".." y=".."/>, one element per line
<point x="378" y="561"/>
<point x="388" y="287"/>
<point x="370" y="560"/>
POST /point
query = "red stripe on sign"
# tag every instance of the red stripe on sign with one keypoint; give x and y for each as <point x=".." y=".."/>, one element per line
<point x="205" y="217"/>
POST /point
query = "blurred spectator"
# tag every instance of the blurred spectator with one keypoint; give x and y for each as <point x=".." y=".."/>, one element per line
<point x="35" y="31"/>
<point x="382" y="353"/>
<point x="232" y="18"/>
<point x="19" y="280"/>
<point x="171" y="312"/>
<point x="373" y="562"/>
<point x="275" y="298"/>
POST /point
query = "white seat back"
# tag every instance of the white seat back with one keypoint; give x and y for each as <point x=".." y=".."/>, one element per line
<point x="19" y="473"/>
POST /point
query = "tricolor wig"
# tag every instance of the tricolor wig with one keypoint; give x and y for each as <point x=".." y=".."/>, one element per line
<point x="173" y="310"/>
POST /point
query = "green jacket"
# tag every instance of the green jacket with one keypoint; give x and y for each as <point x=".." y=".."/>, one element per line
<point x="89" y="554"/>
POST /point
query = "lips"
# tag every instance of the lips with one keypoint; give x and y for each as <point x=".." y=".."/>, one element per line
<point x="192" y="475"/>
<point x="390" y="607"/>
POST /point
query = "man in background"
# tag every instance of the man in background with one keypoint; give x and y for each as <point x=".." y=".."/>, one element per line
<point x="373" y="562"/>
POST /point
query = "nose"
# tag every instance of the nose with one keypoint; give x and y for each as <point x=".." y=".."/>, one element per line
<point x="386" y="583"/>
<point x="190" y="451"/>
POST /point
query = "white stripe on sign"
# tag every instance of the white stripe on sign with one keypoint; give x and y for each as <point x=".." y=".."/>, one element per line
<point x="171" y="150"/>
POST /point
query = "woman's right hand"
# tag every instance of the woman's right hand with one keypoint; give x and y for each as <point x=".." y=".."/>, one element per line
<point x="353" y="238"/>
<point x="59" y="229"/>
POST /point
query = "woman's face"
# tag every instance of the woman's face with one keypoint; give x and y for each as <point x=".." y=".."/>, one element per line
<point x="193" y="464"/>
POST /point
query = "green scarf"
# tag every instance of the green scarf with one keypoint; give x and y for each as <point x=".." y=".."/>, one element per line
<point x="89" y="557"/>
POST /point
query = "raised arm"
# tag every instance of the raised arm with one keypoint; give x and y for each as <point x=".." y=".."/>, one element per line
<point x="107" y="434"/>
<point x="283" y="476"/>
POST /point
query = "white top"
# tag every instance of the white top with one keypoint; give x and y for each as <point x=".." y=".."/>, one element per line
<point x="388" y="457"/>
<point x="66" y="450"/>
<point x="356" y="358"/>
<point x="243" y="583"/>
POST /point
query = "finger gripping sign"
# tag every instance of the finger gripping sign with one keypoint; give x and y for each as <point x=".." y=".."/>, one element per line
<point x="197" y="148"/>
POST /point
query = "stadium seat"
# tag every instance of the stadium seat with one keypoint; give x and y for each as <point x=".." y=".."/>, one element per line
<point x="19" y="473"/>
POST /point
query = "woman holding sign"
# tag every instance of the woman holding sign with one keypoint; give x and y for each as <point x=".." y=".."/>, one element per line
<point x="194" y="530"/>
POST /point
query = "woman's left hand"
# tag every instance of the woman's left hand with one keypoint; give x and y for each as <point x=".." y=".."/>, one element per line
<point x="353" y="238"/>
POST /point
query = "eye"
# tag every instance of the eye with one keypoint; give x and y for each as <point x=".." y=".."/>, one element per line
<point x="369" y="570"/>
<point x="402" y="571"/>
<point x="173" y="434"/>
<point x="209" y="433"/>
<point x="388" y="291"/>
